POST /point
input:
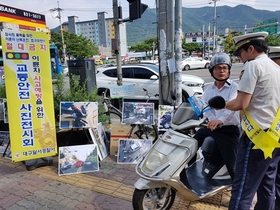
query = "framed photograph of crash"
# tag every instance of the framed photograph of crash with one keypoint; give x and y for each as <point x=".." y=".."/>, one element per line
<point x="138" y="113"/>
<point x="78" y="115"/>
<point x="164" y="117"/>
<point x="77" y="159"/>
<point x="130" y="151"/>
<point x="98" y="139"/>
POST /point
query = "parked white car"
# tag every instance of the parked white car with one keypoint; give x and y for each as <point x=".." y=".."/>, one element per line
<point x="194" y="63"/>
<point x="144" y="76"/>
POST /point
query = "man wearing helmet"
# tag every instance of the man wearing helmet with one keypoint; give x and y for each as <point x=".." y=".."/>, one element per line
<point x="223" y="125"/>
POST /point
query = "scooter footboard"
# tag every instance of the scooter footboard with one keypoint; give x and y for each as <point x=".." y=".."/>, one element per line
<point x="142" y="184"/>
<point x="203" y="186"/>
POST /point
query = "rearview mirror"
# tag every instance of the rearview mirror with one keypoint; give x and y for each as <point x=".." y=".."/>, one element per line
<point x="154" y="77"/>
<point x="217" y="102"/>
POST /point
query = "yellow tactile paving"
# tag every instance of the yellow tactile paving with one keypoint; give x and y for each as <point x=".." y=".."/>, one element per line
<point x="125" y="192"/>
<point x="89" y="180"/>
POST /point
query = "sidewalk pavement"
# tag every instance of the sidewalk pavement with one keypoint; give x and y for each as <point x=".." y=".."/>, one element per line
<point x="110" y="188"/>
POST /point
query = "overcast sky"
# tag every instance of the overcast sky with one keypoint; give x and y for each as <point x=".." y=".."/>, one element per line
<point x="87" y="9"/>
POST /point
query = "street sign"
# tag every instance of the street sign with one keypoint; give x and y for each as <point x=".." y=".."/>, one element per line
<point x="269" y="29"/>
<point x="272" y="20"/>
<point x="270" y="26"/>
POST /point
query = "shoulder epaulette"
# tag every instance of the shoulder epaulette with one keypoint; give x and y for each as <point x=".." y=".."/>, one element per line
<point x="241" y="74"/>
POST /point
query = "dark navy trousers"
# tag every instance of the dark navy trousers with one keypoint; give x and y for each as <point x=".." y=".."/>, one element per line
<point x="277" y="188"/>
<point x="253" y="174"/>
<point x="226" y="138"/>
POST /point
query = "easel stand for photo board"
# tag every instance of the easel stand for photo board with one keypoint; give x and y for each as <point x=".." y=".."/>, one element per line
<point x="84" y="132"/>
<point x="6" y="148"/>
<point x="39" y="162"/>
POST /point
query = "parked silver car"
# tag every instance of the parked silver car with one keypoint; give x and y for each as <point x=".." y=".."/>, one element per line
<point x="194" y="63"/>
<point x="144" y="76"/>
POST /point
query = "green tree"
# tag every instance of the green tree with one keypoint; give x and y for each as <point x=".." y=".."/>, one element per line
<point x="77" y="46"/>
<point x="191" y="47"/>
<point x="145" y="46"/>
<point x="273" y="40"/>
<point x="228" y="43"/>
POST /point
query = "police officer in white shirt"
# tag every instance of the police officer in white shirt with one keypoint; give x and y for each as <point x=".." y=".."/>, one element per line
<point x="258" y="152"/>
<point x="274" y="54"/>
<point x="223" y="125"/>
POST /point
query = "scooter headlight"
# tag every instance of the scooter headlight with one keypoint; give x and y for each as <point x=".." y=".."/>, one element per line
<point x="154" y="161"/>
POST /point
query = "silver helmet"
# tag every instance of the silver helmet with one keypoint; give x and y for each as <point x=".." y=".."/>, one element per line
<point x="220" y="58"/>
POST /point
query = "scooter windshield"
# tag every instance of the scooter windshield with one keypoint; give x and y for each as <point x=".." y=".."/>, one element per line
<point x="184" y="113"/>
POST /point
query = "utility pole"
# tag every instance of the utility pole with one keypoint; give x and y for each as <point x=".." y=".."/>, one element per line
<point x="163" y="73"/>
<point x="178" y="51"/>
<point x="170" y="45"/>
<point x="58" y="10"/>
<point x="209" y="37"/>
<point x="116" y="44"/>
<point x="154" y="51"/>
<point x="203" y="43"/>
<point x="214" y="26"/>
<point x="136" y="8"/>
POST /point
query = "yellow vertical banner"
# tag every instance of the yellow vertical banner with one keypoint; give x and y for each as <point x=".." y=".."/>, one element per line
<point x="28" y="81"/>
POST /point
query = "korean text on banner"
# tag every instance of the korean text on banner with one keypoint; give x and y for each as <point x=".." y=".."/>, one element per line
<point x="28" y="81"/>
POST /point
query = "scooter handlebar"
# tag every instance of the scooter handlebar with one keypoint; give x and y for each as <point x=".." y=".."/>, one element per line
<point x="217" y="102"/>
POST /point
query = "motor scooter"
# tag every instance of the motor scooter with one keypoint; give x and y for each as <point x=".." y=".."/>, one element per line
<point x="164" y="171"/>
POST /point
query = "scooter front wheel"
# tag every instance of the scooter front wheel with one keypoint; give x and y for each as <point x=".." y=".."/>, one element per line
<point x="153" y="199"/>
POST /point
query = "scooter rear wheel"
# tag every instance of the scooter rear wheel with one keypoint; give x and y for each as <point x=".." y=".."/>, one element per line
<point x="153" y="199"/>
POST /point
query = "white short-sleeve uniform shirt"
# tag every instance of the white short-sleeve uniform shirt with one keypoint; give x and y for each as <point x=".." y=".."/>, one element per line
<point x="261" y="78"/>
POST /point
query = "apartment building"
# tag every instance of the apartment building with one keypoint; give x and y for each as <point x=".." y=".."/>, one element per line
<point x="100" y="32"/>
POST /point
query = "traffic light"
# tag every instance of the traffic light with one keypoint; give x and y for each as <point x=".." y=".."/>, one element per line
<point x="136" y="9"/>
<point x="17" y="56"/>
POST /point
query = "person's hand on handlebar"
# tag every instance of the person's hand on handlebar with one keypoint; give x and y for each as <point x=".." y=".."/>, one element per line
<point x="213" y="124"/>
